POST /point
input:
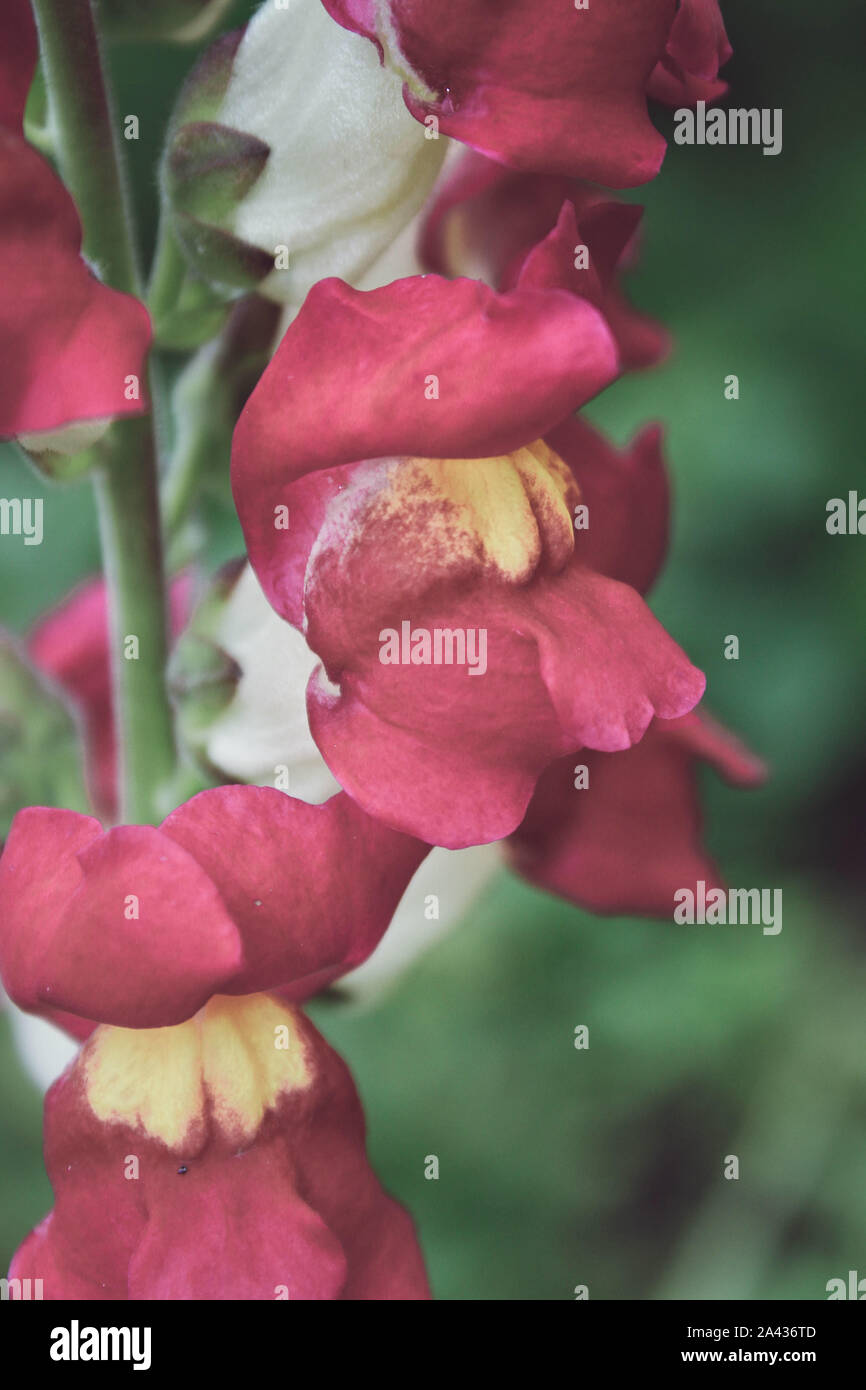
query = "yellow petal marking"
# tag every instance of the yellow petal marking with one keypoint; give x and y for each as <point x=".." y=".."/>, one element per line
<point x="224" y="1063"/>
<point x="508" y="512"/>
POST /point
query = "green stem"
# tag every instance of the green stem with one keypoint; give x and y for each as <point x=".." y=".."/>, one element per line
<point x="88" y="143"/>
<point x="90" y="157"/>
<point x="132" y="558"/>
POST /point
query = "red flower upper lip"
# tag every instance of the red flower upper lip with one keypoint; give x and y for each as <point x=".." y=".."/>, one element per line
<point x="548" y="87"/>
<point x="140" y="926"/>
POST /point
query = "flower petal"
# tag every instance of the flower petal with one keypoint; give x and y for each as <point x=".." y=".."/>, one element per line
<point x="311" y="888"/>
<point x="238" y="1230"/>
<point x="69" y="343"/>
<point x="347" y="166"/>
<point x="512" y="228"/>
<point x="632" y="837"/>
<point x="122" y="926"/>
<point x="697" y="47"/>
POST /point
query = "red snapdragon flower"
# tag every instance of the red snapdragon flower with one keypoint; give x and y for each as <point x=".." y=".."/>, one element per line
<point x="221" y="1159"/>
<point x="549" y="87"/>
<point x="68" y="343"/>
<point x="166" y="935"/>
<point x="407" y="430"/>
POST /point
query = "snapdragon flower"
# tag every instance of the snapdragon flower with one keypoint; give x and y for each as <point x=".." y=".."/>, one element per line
<point x="403" y="434"/>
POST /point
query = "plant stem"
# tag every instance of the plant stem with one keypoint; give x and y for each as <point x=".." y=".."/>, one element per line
<point x="90" y="157"/>
<point x="128" y="505"/>
<point x="88" y="144"/>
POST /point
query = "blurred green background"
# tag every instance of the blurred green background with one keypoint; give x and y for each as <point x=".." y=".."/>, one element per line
<point x="604" y="1167"/>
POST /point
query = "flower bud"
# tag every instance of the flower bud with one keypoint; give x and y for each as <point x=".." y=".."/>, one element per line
<point x="292" y="156"/>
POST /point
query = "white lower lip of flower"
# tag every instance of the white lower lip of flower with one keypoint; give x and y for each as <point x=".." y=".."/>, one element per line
<point x="349" y="167"/>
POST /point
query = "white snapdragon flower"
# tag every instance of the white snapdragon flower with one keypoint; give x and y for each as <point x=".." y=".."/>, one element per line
<point x="323" y="164"/>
